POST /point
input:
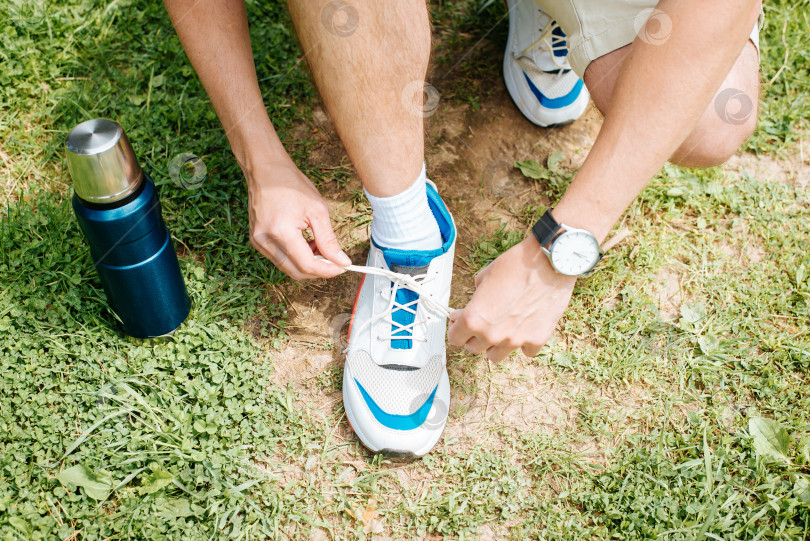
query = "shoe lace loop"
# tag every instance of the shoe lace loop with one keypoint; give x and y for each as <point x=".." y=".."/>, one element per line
<point x="552" y="43"/>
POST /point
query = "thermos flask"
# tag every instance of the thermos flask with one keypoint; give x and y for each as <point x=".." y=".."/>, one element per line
<point x="117" y="206"/>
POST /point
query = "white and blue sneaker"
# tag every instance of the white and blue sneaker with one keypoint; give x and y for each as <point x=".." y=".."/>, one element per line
<point x="536" y="69"/>
<point x="396" y="392"/>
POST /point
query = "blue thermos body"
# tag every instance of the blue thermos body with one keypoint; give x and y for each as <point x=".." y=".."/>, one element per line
<point x="117" y="206"/>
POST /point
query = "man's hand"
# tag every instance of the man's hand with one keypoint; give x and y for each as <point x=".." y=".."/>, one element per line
<point x="518" y="300"/>
<point x="283" y="203"/>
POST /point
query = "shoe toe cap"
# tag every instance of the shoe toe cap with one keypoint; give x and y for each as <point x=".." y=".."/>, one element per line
<point x="410" y="435"/>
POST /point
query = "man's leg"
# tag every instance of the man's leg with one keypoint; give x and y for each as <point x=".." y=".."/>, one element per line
<point x="369" y="60"/>
<point x="715" y="138"/>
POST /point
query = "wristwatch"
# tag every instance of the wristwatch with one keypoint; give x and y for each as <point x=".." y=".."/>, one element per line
<point x="571" y="251"/>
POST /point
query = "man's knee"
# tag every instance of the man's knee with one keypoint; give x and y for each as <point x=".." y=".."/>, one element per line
<point x="725" y="125"/>
<point x="729" y="119"/>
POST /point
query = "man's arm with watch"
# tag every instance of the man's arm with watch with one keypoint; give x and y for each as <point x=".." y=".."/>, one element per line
<point x="659" y="96"/>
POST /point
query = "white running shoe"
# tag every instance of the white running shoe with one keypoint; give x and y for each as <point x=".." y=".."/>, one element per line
<point x="536" y="69"/>
<point x="396" y="392"/>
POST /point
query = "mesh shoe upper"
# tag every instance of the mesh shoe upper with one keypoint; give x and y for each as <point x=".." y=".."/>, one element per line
<point x="397" y="390"/>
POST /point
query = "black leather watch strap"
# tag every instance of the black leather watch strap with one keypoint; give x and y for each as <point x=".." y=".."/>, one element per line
<point x="546" y="229"/>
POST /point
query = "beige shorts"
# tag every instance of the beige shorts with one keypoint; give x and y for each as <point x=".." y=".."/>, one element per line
<point x="597" y="27"/>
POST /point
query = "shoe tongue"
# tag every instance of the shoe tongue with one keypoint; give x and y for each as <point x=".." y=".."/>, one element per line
<point x="411" y="263"/>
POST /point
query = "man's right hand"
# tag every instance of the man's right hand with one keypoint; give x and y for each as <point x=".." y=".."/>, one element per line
<point x="283" y="202"/>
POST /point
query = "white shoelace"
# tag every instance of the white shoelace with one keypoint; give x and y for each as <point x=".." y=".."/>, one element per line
<point x="547" y="38"/>
<point x="401" y="281"/>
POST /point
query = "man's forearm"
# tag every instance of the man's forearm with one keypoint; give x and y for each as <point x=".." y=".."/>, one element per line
<point x="658" y="98"/>
<point x="215" y="36"/>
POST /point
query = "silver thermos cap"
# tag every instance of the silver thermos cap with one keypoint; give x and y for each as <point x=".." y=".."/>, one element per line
<point x="101" y="162"/>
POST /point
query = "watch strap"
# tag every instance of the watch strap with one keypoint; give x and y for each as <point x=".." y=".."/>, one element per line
<point x="546" y="229"/>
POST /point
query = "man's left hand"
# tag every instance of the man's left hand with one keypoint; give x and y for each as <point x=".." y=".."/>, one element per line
<point x="517" y="302"/>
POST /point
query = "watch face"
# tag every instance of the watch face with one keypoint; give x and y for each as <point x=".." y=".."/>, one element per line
<point x="575" y="252"/>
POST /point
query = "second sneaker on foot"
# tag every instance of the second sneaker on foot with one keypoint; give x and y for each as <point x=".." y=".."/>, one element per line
<point x="396" y="392"/>
<point x="536" y="70"/>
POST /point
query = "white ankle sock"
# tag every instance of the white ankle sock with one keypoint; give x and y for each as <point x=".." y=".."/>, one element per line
<point x="405" y="221"/>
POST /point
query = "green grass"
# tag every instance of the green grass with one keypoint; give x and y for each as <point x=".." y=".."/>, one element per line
<point x="660" y="431"/>
<point x="193" y="410"/>
<point x="784" y="106"/>
<point x="488" y="248"/>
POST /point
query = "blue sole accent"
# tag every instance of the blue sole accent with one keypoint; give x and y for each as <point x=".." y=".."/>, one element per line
<point x="555" y="103"/>
<point x="398" y="422"/>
